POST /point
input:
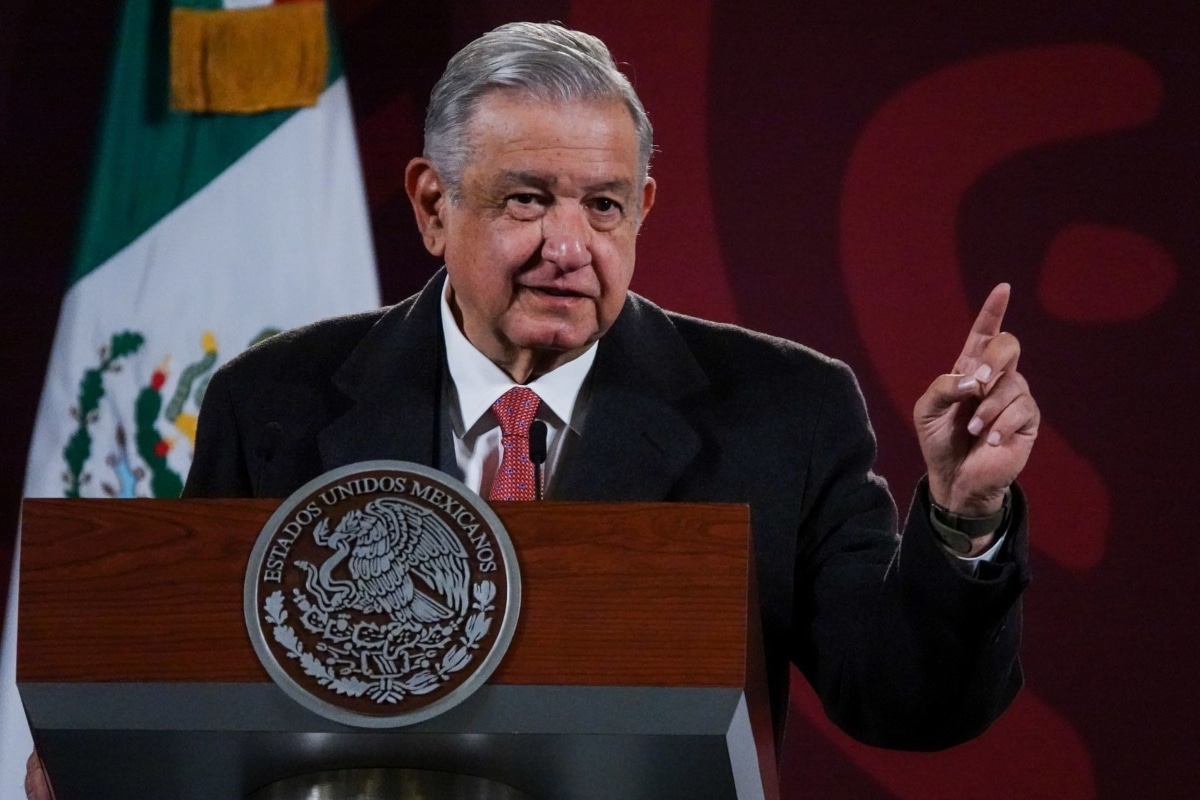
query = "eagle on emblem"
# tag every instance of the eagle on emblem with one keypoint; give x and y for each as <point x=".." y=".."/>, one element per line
<point x="384" y="546"/>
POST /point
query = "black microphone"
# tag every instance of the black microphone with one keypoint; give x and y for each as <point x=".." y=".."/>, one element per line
<point x="537" y="453"/>
<point x="268" y="443"/>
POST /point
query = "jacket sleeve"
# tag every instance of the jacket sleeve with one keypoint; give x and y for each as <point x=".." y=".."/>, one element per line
<point x="219" y="467"/>
<point x="905" y="649"/>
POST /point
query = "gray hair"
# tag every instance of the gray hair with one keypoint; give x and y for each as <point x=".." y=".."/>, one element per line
<point x="544" y="60"/>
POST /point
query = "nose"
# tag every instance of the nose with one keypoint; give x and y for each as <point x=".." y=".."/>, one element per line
<point x="566" y="236"/>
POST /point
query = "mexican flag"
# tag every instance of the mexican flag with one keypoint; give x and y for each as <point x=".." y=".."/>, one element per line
<point x="211" y="223"/>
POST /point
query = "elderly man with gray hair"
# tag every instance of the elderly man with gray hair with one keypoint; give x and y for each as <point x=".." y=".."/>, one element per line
<point x="532" y="188"/>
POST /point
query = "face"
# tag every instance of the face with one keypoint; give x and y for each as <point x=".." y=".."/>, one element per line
<point x="540" y="245"/>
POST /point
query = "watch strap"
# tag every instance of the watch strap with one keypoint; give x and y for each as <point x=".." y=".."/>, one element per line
<point x="959" y="531"/>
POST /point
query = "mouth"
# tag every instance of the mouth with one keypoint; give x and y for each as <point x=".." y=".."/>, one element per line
<point x="552" y="291"/>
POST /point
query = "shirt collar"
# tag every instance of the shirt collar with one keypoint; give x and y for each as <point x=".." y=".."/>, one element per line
<point x="479" y="383"/>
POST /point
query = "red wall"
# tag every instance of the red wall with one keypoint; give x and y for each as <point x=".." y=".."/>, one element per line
<point x="854" y="175"/>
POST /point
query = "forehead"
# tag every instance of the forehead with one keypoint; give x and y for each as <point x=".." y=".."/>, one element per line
<point x="512" y="133"/>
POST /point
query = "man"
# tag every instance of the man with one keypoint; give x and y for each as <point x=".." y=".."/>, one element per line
<point x="532" y="189"/>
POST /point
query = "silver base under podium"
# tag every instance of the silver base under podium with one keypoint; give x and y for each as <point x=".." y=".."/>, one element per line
<point x="387" y="784"/>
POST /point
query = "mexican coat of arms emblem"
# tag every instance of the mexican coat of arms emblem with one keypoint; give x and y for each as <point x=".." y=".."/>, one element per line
<point x="382" y="593"/>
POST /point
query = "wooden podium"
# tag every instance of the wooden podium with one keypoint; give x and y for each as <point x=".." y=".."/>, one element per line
<point x="635" y="671"/>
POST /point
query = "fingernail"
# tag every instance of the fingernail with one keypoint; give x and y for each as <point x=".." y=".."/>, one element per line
<point x="993" y="438"/>
<point x="975" y="426"/>
<point x="966" y="384"/>
<point x="983" y="373"/>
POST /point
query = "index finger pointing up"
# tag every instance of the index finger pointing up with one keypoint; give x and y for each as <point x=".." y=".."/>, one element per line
<point x="986" y="326"/>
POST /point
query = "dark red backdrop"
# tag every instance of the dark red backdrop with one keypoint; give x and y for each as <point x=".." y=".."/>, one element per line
<point x="854" y="175"/>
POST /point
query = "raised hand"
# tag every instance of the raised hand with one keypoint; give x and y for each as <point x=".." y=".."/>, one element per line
<point x="977" y="424"/>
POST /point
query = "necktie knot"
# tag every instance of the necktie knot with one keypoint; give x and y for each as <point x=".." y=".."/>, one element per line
<point x="515" y="479"/>
<point x="515" y="410"/>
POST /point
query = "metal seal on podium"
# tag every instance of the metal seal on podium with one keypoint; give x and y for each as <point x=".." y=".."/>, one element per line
<point x="382" y="594"/>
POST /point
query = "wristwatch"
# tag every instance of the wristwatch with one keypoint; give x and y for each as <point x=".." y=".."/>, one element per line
<point x="959" y="531"/>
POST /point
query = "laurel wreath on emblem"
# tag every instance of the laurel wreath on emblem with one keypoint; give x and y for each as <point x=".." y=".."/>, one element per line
<point x="411" y="645"/>
<point x="382" y="688"/>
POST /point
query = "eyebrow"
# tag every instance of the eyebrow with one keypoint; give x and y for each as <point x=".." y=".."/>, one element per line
<point x="512" y="179"/>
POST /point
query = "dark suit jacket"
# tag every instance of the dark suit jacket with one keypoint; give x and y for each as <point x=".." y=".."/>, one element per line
<point x="904" y="649"/>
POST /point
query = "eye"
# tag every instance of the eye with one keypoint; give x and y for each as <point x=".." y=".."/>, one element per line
<point x="606" y="205"/>
<point x="525" y="205"/>
<point x="606" y="213"/>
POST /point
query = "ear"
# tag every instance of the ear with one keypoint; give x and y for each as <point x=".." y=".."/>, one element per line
<point x="649" y="191"/>
<point x="428" y="196"/>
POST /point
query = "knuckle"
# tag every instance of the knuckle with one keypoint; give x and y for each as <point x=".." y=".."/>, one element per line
<point x="1004" y="344"/>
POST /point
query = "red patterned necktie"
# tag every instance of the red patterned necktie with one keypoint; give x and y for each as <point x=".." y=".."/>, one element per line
<point x="515" y="479"/>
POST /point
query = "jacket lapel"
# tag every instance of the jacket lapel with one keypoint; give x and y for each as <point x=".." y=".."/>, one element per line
<point x="635" y="443"/>
<point x="394" y="376"/>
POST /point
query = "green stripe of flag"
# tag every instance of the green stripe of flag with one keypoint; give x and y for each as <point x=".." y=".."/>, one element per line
<point x="151" y="159"/>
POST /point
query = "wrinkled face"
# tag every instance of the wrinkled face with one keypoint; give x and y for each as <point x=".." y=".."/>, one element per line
<point x="540" y="245"/>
